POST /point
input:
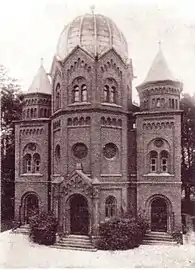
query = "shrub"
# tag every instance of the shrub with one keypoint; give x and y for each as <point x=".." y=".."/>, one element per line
<point x="178" y="237"/>
<point x="43" y="228"/>
<point x="122" y="233"/>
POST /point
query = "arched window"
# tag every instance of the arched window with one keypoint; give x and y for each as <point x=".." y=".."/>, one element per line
<point x="31" y="113"/>
<point x="37" y="161"/>
<point x="106" y="93"/>
<point x="153" y="103"/>
<point x="158" y="103"/>
<point x="162" y="102"/>
<point x="57" y="152"/>
<point x="164" y="161"/>
<point x="27" y="163"/>
<point x="69" y="122"/>
<point x="110" y="207"/>
<point x="76" y="94"/>
<point x="173" y="103"/>
<point x="58" y="101"/>
<point x="35" y="113"/>
<point x="153" y="161"/>
<point x="41" y="112"/>
<point x="113" y="94"/>
<point x="83" y="93"/>
<point x="28" y="113"/>
<point x="45" y="112"/>
<point x="169" y="103"/>
<point x="176" y="104"/>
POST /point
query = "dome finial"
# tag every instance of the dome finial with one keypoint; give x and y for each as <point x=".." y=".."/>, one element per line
<point x="92" y="7"/>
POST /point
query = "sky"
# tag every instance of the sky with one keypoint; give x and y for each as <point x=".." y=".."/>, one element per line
<point x="29" y="31"/>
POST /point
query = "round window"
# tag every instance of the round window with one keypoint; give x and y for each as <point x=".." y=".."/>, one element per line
<point x="110" y="150"/>
<point x="79" y="150"/>
<point x="158" y="142"/>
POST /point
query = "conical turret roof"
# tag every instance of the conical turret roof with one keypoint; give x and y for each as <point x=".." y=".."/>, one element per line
<point x="159" y="70"/>
<point x="40" y="83"/>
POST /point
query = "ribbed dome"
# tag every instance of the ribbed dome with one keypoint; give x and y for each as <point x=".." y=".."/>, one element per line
<point x="94" y="33"/>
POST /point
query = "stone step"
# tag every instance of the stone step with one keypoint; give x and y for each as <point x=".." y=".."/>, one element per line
<point x="77" y="236"/>
<point x="70" y="241"/>
<point x="158" y="242"/>
<point x="158" y="237"/>
<point x="158" y="233"/>
<point x="75" y="242"/>
<point x="73" y="248"/>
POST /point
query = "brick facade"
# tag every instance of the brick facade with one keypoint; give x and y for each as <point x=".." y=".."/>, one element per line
<point x="92" y="148"/>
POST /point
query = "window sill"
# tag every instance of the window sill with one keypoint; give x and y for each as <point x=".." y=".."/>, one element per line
<point x="79" y="104"/>
<point x="158" y="174"/>
<point x="31" y="174"/>
<point x="111" y="105"/>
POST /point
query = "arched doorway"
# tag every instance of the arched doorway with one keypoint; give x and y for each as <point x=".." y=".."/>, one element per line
<point x="31" y="206"/>
<point x="79" y="215"/>
<point x="159" y="215"/>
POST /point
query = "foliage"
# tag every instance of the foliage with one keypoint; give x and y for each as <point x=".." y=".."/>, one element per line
<point x="11" y="107"/>
<point x="188" y="143"/>
<point x="43" y="228"/>
<point x="178" y="237"/>
<point x="122" y="233"/>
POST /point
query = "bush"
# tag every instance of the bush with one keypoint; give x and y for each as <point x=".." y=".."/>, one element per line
<point x="43" y="228"/>
<point x="178" y="237"/>
<point x="122" y="233"/>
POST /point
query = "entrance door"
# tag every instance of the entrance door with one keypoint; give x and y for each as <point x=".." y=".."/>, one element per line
<point x="79" y="215"/>
<point x="159" y="215"/>
<point x="31" y="205"/>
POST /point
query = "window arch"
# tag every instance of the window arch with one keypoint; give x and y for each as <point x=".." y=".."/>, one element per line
<point x="27" y="163"/>
<point x="110" y="91"/>
<point x="153" y="161"/>
<point x="58" y="99"/>
<point x="106" y="93"/>
<point x="45" y="112"/>
<point x="28" y="113"/>
<point x="41" y="112"/>
<point x="83" y="93"/>
<point x="76" y="94"/>
<point x="164" y="161"/>
<point x="57" y="152"/>
<point x="110" y="207"/>
<point x="31" y="158"/>
<point x="35" y="113"/>
<point x="113" y="94"/>
<point x="31" y="113"/>
<point x="79" y="90"/>
<point x="36" y="161"/>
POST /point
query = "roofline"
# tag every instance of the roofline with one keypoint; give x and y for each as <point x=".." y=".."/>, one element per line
<point x="38" y="93"/>
<point x="150" y="83"/>
<point x="114" y="50"/>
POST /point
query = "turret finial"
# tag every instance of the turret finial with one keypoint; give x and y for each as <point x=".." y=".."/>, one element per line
<point x="41" y="61"/>
<point x="159" y="45"/>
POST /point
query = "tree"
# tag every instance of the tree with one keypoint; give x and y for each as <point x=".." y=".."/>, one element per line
<point x="188" y="143"/>
<point x="11" y="108"/>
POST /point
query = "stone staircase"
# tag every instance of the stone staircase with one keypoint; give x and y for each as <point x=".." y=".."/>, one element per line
<point x="158" y="238"/>
<point x="24" y="229"/>
<point x="75" y="242"/>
